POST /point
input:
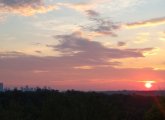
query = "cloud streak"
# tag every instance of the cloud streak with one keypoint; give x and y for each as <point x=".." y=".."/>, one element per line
<point x="146" y="23"/>
<point x="101" y="26"/>
<point x="25" y="7"/>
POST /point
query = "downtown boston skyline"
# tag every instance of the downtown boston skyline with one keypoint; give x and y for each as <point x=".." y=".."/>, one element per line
<point x="83" y="44"/>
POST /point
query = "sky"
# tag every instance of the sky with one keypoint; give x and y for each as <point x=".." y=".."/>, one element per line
<point x="83" y="44"/>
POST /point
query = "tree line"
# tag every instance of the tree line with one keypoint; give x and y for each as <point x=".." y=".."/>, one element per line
<point x="45" y="104"/>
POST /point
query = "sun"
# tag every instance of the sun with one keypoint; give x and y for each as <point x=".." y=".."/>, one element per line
<point x="148" y="85"/>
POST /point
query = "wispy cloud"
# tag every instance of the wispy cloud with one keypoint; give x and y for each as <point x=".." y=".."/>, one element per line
<point x="145" y="23"/>
<point x="100" y="5"/>
<point x="78" y="6"/>
<point x="101" y="26"/>
<point x="92" y="13"/>
<point x="142" y="37"/>
<point x="25" y="7"/>
<point x="121" y="44"/>
<point x="161" y="36"/>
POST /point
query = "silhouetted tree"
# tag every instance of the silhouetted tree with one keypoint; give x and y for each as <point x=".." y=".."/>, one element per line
<point x="44" y="104"/>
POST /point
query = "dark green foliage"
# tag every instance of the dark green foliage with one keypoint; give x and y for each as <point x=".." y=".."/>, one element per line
<point x="74" y="105"/>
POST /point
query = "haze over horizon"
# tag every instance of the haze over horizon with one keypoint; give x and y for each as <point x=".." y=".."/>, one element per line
<point x="83" y="44"/>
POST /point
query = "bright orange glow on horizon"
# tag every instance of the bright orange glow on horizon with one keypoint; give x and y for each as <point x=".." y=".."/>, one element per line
<point x="148" y="85"/>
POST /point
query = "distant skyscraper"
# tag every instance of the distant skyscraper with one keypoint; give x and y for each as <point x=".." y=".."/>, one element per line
<point x="1" y="87"/>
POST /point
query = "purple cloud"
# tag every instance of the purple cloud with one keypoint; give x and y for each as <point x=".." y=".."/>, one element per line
<point x="121" y="44"/>
<point x="25" y="7"/>
<point x="101" y="25"/>
<point x="76" y="52"/>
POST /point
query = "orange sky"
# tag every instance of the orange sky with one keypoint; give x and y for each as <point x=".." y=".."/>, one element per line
<point x="83" y="44"/>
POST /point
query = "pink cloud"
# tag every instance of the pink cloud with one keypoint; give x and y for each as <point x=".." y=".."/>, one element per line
<point x="76" y="51"/>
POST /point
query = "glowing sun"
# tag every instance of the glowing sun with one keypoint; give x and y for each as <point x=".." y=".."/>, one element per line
<point x="148" y="85"/>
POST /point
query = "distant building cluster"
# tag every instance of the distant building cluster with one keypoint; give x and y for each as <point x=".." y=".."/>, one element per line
<point x="1" y="87"/>
<point x="27" y="88"/>
<point x="23" y="88"/>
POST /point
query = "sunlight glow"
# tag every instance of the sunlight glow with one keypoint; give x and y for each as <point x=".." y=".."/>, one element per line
<point x="148" y="85"/>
